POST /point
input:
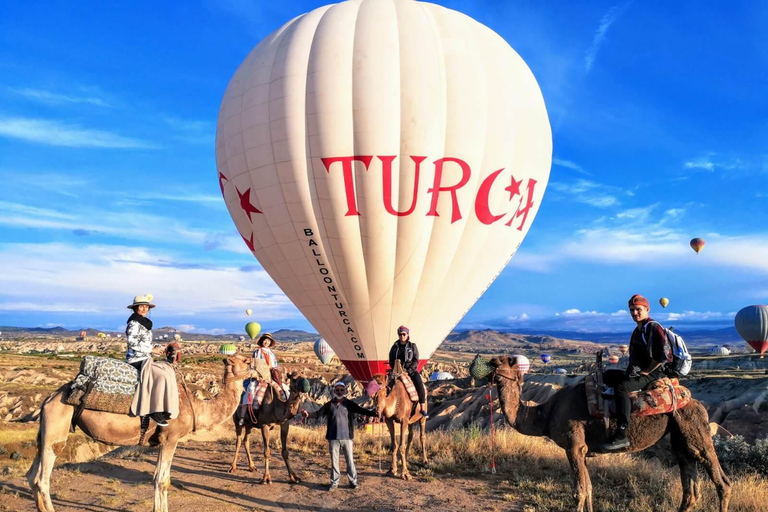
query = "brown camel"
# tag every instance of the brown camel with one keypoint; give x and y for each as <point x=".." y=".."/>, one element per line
<point x="273" y="411"/>
<point x="396" y="407"/>
<point x="564" y="418"/>
<point x="123" y="430"/>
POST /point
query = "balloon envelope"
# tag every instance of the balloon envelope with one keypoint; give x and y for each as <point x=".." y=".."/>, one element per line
<point x="623" y="349"/>
<point x="664" y="302"/>
<point x="561" y="371"/>
<point x="697" y="244"/>
<point x="752" y="325"/>
<point x="523" y="363"/>
<point x="177" y="337"/>
<point x="248" y="312"/>
<point x="440" y="376"/>
<point x="252" y="329"/>
<point x="323" y="351"/>
<point x="365" y="167"/>
<point x="613" y="359"/>
<point x="545" y="358"/>
<point x="228" y="349"/>
<point x="719" y="351"/>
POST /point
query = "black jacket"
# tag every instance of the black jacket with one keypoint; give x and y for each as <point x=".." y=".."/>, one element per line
<point x="408" y="355"/>
<point x="340" y="416"/>
<point x="640" y="354"/>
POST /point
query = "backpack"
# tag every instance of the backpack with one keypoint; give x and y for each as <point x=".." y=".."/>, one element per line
<point x="681" y="358"/>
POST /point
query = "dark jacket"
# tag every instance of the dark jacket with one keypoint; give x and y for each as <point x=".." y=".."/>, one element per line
<point x="408" y="355"/>
<point x="340" y="415"/>
<point x="640" y="354"/>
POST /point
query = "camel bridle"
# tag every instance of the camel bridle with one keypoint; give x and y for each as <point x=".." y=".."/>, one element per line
<point x="505" y="373"/>
<point x="233" y="375"/>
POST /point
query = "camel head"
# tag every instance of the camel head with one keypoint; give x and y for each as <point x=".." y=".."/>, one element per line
<point x="236" y="368"/>
<point x="297" y="383"/>
<point x="377" y="390"/>
<point x="509" y="382"/>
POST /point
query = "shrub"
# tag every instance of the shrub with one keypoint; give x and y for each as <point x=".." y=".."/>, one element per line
<point x="738" y="456"/>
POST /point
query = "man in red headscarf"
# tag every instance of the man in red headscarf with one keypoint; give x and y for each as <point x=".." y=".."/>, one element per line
<point x="649" y="351"/>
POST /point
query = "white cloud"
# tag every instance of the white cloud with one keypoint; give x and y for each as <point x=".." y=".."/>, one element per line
<point x="54" y="98"/>
<point x="103" y="279"/>
<point x="588" y="192"/>
<point x="608" y="19"/>
<point x="569" y="165"/>
<point x="709" y="164"/>
<point x="57" y="133"/>
<point x="698" y="316"/>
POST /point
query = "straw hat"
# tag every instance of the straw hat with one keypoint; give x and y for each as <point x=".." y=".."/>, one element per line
<point x="263" y="337"/>
<point x="142" y="299"/>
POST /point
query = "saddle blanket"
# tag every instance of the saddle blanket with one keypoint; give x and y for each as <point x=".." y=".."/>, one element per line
<point x="256" y="390"/>
<point x="113" y="384"/>
<point x="409" y="386"/>
<point x="661" y="397"/>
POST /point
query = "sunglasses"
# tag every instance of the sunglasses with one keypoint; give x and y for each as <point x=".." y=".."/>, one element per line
<point x="402" y="334"/>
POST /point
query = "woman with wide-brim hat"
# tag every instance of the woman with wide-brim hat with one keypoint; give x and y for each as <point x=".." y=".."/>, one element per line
<point x="138" y="335"/>
<point x="264" y="352"/>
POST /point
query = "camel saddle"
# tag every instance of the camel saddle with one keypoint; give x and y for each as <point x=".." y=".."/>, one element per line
<point x="410" y="387"/>
<point x="104" y="384"/>
<point x="660" y="397"/>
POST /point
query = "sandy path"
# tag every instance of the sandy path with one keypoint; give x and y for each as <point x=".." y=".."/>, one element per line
<point x="200" y="483"/>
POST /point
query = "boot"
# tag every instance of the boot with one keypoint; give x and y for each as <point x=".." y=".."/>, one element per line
<point x="619" y="441"/>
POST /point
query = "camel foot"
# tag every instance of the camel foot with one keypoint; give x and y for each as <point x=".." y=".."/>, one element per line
<point x="251" y="468"/>
<point x="295" y="479"/>
<point x="232" y="470"/>
<point x="267" y="479"/>
<point x="406" y="476"/>
<point x="390" y="473"/>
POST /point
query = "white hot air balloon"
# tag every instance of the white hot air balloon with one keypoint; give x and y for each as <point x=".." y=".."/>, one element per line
<point x="523" y="363"/>
<point x="323" y="351"/>
<point x="383" y="160"/>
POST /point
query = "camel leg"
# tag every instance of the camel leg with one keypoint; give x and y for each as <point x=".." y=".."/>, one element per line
<point x="247" y="443"/>
<point x="410" y="440"/>
<point x="582" y="486"/>
<point x="393" y="447"/>
<point x="239" y="429"/>
<point x="162" y="478"/>
<point x="689" y="477"/>
<point x="693" y="427"/>
<point x="55" y="419"/>
<point x="267" y="479"/>
<point x="284" y="451"/>
<point x="403" y="445"/>
<point x="423" y="437"/>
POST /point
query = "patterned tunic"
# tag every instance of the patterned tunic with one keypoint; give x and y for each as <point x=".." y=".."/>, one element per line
<point x="139" y="342"/>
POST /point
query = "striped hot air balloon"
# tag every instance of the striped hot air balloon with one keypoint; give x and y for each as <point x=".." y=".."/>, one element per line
<point x="752" y="325"/>
<point x="228" y="349"/>
<point x="523" y="363"/>
<point x="697" y="244"/>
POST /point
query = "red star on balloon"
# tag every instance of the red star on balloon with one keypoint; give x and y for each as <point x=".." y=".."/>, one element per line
<point x="245" y="203"/>
<point x="514" y="188"/>
<point x="249" y="242"/>
<point x="222" y="179"/>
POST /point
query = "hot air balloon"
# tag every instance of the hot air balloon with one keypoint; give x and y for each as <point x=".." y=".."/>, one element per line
<point x="177" y="337"/>
<point x="440" y="376"/>
<point x="241" y="338"/>
<point x="364" y="168"/>
<point x="228" y="349"/>
<point x="101" y="335"/>
<point x="613" y="359"/>
<point x="252" y="329"/>
<point x="623" y="349"/>
<point x="323" y="351"/>
<point x="545" y="358"/>
<point x="248" y="312"/>
<point x="664" y="302"/>
<point x="561" y="371"/>
<point x="752" y="325"/>
<point x="523" y="363"/>
<point x="719" y="351"/>
<point x="83" y="334"/>
<point x="697" y="244"/>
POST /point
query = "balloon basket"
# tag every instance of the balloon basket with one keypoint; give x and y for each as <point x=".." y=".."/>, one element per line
<point x="379" y="429"/>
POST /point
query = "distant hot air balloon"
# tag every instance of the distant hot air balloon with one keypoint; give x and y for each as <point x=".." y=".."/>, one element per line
<point x="545" y="358"/>
<point x="323" y="351"/>
<point x="252" y="329"/>
<point x="440" y="376"/>
<point x="365" y="168"/>
<point x="664" y="302"/>
<point x="228" y="349"/>
<point x="248" y="312"/>
<point x="623" y="349"/>
<point x="149" y="297"/>
<point x="241" y="338"/>
<point x="561" y="371"/>
<point x="719" y="351"/>
<point x="102" y="335"/>
<point x="697" y="244"/>
<point x="83" y="334"/>
<point x="752" y="325"/>
<point x="523" y="363"/>
<point x="177" y="337"/>
<point x="613" y="359"/>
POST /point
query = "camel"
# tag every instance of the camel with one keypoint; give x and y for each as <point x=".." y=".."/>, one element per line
<point x="123" y="430"/>
<point x="273" y="411"/>
<point x="396" y="406"/>
<point x="564" y="418"/>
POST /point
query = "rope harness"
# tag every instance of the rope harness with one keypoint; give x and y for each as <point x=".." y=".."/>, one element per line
<point x="489" y="396"/>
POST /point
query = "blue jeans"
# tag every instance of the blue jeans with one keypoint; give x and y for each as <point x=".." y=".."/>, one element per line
<point x="346" y="446"/>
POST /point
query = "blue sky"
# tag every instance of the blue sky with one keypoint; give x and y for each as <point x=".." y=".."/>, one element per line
<point x="107" y="126"/>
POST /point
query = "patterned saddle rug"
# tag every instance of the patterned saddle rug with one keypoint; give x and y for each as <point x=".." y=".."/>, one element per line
<point x="410" y="387"/>
<point x="660" y="397"/>
<point x="104" y="384"/>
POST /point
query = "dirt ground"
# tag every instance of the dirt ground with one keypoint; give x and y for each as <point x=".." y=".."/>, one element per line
<point x="122" y="481"/>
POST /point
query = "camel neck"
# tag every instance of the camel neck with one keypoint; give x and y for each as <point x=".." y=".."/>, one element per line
<point x="528" y="418"/>
<point x="211" y="413"/>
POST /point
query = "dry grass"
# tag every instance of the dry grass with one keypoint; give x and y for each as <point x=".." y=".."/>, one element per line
<point x="534" y="471"/>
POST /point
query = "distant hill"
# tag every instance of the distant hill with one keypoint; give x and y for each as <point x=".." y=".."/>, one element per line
<point x="695" y="337"/>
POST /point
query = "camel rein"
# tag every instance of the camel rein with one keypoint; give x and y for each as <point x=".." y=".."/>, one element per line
<point x="489" y="396"/>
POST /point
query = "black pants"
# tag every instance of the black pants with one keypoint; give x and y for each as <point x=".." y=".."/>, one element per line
<point x="416" y="378"/>
<point x="137" y="365"/>
<point x="622" y="385"/>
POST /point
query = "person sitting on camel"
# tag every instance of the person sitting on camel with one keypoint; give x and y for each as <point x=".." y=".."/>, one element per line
<point x="406" y="351"/>
<point x="262" y="356"/>
<point x="157" y="395"/>
<point x="649" y="352"/>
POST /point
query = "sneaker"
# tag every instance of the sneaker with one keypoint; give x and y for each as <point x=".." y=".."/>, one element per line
<point x="331" y="487"/>
<point x="159" y="418"/>
<point x="353" y="485"/>
<point x="618" y="443"/>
